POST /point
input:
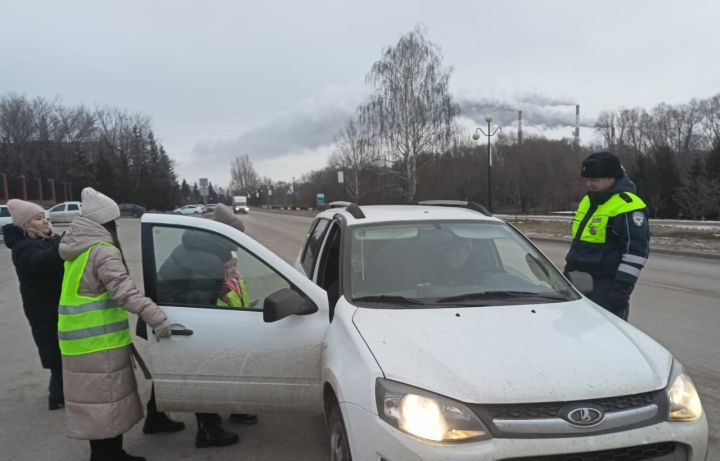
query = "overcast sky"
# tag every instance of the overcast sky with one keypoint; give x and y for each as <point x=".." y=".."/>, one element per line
<point x="278" y="79"/>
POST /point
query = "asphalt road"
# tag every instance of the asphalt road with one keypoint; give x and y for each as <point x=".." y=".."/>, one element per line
<point x="676" y="302"/>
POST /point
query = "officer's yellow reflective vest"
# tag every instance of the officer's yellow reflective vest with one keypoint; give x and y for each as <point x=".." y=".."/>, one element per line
<point x="593" y="228"/>
<point x="88" y="324"/>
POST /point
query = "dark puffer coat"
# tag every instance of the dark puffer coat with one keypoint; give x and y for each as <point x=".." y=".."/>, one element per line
<point x="40" y="272"/>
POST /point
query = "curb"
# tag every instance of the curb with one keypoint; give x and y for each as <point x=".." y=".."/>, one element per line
<point x="694" y="254"/>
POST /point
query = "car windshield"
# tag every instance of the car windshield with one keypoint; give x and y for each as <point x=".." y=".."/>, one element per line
<point x="445" y="264"/>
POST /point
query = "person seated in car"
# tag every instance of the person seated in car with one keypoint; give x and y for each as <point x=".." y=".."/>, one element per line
<point x="456" y="264"/>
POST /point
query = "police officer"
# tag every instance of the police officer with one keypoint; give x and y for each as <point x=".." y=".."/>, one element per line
<point x="610" y="233"/>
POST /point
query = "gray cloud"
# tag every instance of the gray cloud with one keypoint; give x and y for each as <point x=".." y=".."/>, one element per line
<point x="279" y="136"/>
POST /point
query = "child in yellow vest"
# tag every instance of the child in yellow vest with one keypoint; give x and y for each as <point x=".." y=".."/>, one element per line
<point x="234" y="292"/>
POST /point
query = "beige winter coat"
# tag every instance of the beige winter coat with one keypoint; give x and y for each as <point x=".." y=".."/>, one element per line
<point x="101" y="398"/>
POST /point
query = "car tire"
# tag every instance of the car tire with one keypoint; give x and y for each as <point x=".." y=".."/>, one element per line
<point x="339" y="443"/>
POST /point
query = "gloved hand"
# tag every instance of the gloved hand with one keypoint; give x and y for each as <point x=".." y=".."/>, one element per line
<point x="619" y="298"/>
<point x="162" y="330"/>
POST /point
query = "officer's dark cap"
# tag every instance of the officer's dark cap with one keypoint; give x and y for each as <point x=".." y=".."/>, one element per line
<point x="602" y="165"/>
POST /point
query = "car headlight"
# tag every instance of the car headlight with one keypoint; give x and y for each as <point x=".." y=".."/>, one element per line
<point x="683" y="397"/>
<point x="427" y="415"/>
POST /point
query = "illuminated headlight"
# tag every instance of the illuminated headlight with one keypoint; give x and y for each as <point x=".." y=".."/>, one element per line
<point x="683" y="397"/>
<point x="427" y="415"/>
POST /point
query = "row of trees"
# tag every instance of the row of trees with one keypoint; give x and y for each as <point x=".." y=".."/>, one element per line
<point x="104" y="147"/>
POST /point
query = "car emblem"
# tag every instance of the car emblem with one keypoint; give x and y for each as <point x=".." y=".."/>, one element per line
<point x="586" y="415"/>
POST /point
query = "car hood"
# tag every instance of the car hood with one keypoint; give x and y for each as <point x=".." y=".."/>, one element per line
<point x="515" y="354"/>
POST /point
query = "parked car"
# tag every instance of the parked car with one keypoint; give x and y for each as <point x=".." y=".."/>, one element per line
<point x="190" y="209"/>
<point x="131" y="209"/>
<point x="427" y="332"/>
<point x="63" y="212"/>
<point x="210" y="207"/>
<point x="5" y="217"/>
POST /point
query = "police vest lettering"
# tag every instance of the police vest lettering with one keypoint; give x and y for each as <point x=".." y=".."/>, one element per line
<point x="88" y="324"/>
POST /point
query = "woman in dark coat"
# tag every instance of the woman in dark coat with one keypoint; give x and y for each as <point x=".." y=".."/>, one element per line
<point x="40" y="272"/>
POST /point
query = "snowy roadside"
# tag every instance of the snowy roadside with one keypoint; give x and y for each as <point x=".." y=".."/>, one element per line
<point x="671" y="238"/>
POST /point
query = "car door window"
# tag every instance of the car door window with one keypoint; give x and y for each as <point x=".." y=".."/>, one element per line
<point x="199" y="268"/>
<point x="72" y="207"/>
<point x="58" y="208"/>
<point x="4" y="212"/>
<point x="312" y="246"/>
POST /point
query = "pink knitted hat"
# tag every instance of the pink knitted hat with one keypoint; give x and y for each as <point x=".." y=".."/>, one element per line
<point x="22" y="211"/>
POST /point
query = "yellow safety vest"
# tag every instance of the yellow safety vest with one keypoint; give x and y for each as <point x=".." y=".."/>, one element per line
<point x="236" y="299"/>
<point x="593" y="228"/>
<point x="88" y="324"/>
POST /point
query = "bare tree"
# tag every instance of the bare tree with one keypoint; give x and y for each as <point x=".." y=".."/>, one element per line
<point x="355" y="155"/>
<point x="242" y="174"/>
<point x="411" y="109"/>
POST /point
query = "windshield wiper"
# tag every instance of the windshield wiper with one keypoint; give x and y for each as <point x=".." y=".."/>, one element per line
<point x="502" y="294"/>
<point x="392" y="299"/>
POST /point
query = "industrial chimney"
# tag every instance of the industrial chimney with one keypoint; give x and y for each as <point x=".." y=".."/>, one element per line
<point x="576" y="139"/>
<point x="520" y="127"/>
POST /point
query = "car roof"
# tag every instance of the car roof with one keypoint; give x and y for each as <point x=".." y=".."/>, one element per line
<point x="395" y="213"/>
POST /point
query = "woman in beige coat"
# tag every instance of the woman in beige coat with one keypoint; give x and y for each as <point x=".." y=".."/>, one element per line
<point x="101" y="398"/>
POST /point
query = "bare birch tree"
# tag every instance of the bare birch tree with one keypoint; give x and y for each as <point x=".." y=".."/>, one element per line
<point x="411" y="108"/>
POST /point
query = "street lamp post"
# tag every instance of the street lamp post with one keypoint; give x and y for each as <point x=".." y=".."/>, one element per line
<point x="489" y="134"/>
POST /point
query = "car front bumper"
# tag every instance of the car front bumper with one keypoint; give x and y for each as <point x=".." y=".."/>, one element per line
<point x="372" y="439"/>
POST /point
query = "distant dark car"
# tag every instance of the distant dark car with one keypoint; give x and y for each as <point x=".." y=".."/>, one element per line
<point x="131" y="209"/>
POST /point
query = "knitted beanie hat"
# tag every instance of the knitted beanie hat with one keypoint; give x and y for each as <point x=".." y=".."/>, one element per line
<point x="22" y="211"/>
<point x="602" y="165"/>
<point x="98" y="207"/>
<point x="224" y="214"/>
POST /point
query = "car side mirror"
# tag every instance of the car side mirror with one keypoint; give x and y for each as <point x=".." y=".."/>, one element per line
<point x="582" y="281"/>
<point x="284" y="303"/>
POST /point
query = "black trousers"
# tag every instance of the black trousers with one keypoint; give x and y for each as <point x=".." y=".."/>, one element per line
<point x="55" y="388"/>
<point x="601" y="295"/>
<point x="104" y="448"/>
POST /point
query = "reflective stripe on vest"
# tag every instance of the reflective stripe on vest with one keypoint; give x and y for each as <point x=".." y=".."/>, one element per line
<point x="595" y="227"/>
<point x="88" y="324"/>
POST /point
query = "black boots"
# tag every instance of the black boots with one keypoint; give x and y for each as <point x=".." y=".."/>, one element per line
<point x="211" y="434"/>
<point x="110" y="450"/>
<point x="243" y="418"/>
<point x="157" y="421"/>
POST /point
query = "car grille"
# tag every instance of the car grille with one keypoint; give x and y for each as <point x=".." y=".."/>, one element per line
<point x="657" y="451"/>
<point x="552" y="410"/>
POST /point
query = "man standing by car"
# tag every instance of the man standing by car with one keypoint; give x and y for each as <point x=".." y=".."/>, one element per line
<point x="610" y="233"/>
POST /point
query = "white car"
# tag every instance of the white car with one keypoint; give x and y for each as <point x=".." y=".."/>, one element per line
<point x="5" y="217"/>
<point x="422" y="332"/>
<point x="63" y="212"/>
<point x="190" y="210"/>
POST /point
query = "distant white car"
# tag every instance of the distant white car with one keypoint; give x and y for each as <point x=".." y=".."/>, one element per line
<point x="63" y="212"/>
<point x="190" y="209"/>
<point x="4" y="215"/>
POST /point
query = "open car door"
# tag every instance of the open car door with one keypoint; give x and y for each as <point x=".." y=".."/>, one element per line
<point x="213" y="282"/>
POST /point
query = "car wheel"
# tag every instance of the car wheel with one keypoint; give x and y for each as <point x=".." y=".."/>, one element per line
<point x="339" y="444"/>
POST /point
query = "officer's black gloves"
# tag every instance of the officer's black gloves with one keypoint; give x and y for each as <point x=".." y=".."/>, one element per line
<point x="619" y="296"/>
